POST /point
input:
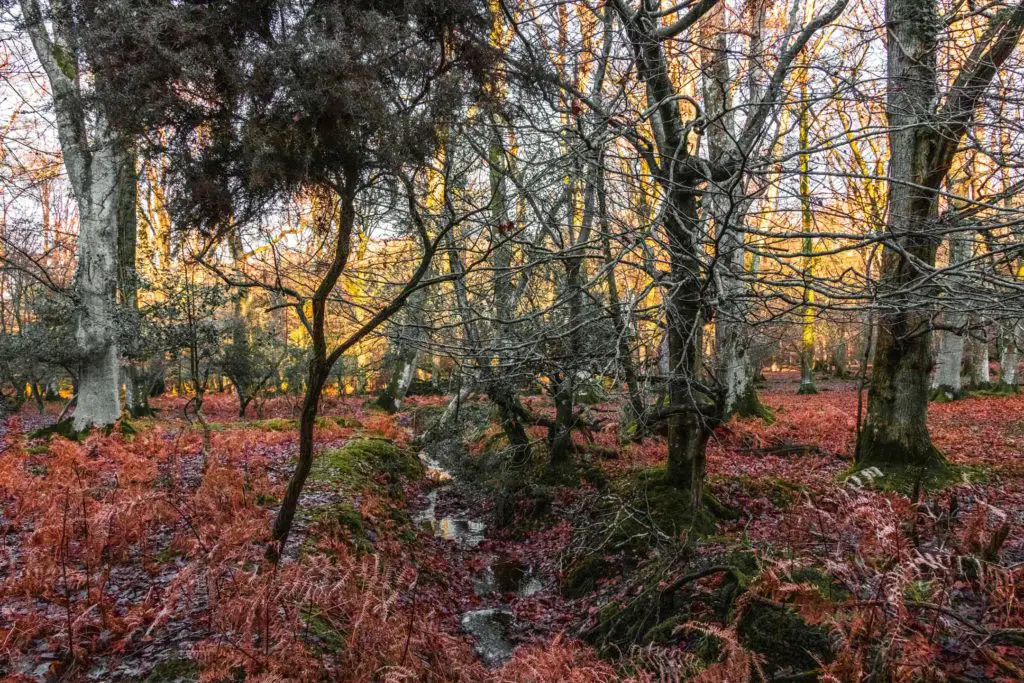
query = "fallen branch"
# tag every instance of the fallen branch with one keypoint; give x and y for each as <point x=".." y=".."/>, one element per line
<point x="784" y="449"/>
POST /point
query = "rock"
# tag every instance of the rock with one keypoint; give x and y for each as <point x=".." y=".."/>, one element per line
<point x="489" y="629"/>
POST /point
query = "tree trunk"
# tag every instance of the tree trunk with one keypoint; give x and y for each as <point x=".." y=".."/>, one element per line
<point x="895" y="429"/>
<point x="99" y="401"/>
<point x="1009" y="356"/>
<point x="923" y="143"/>
<point x="980" y="373"/>
<point x="948" y="361"/>
<point x="950" y="355"/>
<point x="100" y="172"/>
<point x="807" y="316"/>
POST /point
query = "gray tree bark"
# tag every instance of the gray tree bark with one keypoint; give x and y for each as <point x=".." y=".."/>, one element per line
<point x="923" y="142"/>
<point x="100" y="171"/>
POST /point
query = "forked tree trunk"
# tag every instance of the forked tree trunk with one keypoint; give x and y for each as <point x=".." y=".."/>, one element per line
<point x="923" y="143"/>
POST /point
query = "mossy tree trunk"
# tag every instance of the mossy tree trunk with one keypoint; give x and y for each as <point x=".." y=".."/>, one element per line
<point x="807" y="315"/>
<point x="923" y="142"/>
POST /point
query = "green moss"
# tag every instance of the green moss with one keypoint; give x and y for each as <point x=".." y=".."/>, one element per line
<point x="63" y="428"/>
<point x="905" y="479"/>
<point x="664" y="632"/>
<point x="348" y="422"/>
<point x="174" y="669"/>
<point x="945" y="394"/>
<point x="266" y="499"/>
<point x="278" y="424"/>
<point x="667" y="506"/>
<point x="65" y="62"/>
<point x="993" y="390"/>
<point x="750" y="405"/>
<point x="650" y="616"/>
<point x="168" y="554"/>
<point x="361" y="463"/>
<point x="583" y="577"/>
<point x="826" y="584"/>
<point x="341" y="520"/>
<point x="37" y="450"/>
<point x="322" y="634"/>
<point x="783" y="638"/>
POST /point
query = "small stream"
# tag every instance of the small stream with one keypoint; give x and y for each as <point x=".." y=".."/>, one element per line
<point x="489" y="627"/>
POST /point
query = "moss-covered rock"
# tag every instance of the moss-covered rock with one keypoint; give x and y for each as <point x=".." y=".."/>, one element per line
<point x="783" y="638"/>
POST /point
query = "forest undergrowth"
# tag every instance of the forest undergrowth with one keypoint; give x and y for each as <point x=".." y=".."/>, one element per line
<point x="139" y="555"/>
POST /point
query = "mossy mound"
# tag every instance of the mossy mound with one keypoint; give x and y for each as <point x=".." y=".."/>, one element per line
<point x="783" y="638"/>
<point x="365" y="463"/>
<point x="666" y="505"/>
<point x="344" y="520"/>
<point x="585" y="574"/>
<point x="906" y="479"/>
<point x="945" y="394"/>
<point x="749" y="405"/>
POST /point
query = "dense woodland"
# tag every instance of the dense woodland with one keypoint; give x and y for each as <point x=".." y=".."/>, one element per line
<point x="511" y="340"/>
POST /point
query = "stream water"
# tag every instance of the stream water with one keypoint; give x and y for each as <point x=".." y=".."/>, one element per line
<point x="490" y="627"/>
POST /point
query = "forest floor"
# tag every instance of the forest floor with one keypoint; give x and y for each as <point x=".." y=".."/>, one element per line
<point x="139" y="555"/>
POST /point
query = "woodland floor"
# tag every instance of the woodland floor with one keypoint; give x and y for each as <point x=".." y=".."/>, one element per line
<point x="142" y="550"/>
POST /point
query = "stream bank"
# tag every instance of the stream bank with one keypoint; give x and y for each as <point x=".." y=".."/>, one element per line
<point x="500" y="581"/>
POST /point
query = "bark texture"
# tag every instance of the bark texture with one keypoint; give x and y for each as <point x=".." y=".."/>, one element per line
<point x="923" y="141"/>
<point x="101" y="171"/>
